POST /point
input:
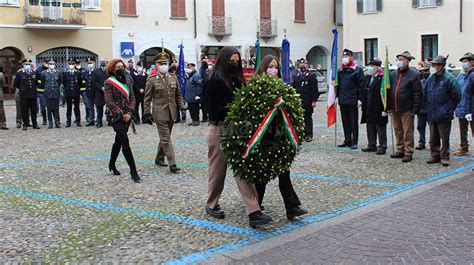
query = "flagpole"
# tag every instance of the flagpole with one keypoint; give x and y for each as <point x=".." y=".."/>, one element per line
<point x="335" y="128"/>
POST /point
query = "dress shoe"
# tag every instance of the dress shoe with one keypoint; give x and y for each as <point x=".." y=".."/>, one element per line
<point x="259" y="218"/>
<point x="461" y="152"/>
<point x="369" y="149"/>
<point x="24" y="128"/>
<point x="217" y="212"/>
<point x="4" y="128"/>
<point x="174" y="169"/>
<point x="68" y="124"/>
<point x="204" y="120"/>
<point x="36" y="127"/>
<point x="44" y="123"/>
<point x="445" y="162"/>
<point x="354" y="146"/>
<point x="18" y="125"/>
<point x="161" y="163"/>
<point x="433" y="160"/>
<point x="420" y="147"/>
<point x="99" y="124"/>
<point x="50" y="126"/>
<point x="308" y="138"/>
<point x="58" y="126"/>
<point x="397" y="155"/>
<point x="91" y="123"/>
<point x="295" y="212"/>
<point x="407" y="159"/>
<point x="195" y="123"/>
<point x="381" y="151"/>
<point x="343" y="145"/>
<point x="78" y="124"/>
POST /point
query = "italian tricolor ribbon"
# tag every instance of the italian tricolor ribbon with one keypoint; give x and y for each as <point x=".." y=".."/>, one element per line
<point x="262" y="128"/>
<point x="123" y="88"/>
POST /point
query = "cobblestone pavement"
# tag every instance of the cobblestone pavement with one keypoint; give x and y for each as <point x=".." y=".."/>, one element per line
<point x="59" y="203"/>
<point x="433" y="227"/>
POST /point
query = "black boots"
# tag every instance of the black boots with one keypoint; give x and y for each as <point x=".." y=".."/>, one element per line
<point x="113" y="157"/>
<point x="127" y="153"/>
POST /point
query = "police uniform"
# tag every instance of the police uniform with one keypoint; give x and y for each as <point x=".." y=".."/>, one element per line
<point x="41" y="98"/>
<point x="50" y="83"/>
<point x="163" y="91"/>
<point x="72" y="80"/>
<point x="26" y="82"/>
<point x="86" y="90"/>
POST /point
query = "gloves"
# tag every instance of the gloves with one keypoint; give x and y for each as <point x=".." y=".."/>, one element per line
<point x="197" y="98"/>
<point x="469" y="117"/>
<point x="384" y="114"/>
<point x="359" y="103"/>
<point x="147" y="118"/>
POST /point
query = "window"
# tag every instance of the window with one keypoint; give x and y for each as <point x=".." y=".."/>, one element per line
<point x="178" y="8"/>
<point x="337" y="13"/>
<point x="429" y="46"/>
<point x="128" y="7"/>
<point x="92" y="4"/>
<point x="9" y="2"/>
<point x="426" y="3"/>
<point x="369" y="6"/>
<point x="265" y="9"/>
<point x="371" y="49"/>
<point x="299" y="10"/>
<point x="218" y="8"/>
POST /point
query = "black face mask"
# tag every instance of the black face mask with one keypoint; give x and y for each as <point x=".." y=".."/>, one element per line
<point x="120" y="72"/>
<point x="173" y="68"/>
<point x="233" y="67"/>
<point x="303" y="68"/>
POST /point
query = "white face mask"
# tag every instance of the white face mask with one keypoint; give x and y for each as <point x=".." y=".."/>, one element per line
<point x="210" y="67"/>
<point x="400" y="64"/>
<point x="433" y="70"/>
<point x="71" y="66"/>
<point x="188" y="71"/>
<point x="163" y="68"/>
<point x="345" y="61"/>
<point x="52" y="67"/>
<point x="90" y="66"/>
<point x="78" y="67"/>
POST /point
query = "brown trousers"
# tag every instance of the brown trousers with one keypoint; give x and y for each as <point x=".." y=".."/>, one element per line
<point x="440" y="131"/>
<point x="404" y="127"/>
<point x="463" y="130"/>
<point x="3" y="119"/>
<point x="165" y="147"/>
<point x="217" y="174"/>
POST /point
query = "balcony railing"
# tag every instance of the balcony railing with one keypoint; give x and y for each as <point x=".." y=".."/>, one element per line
<point x="65" y="14"/>
<point x="219" y="26"/>
<point x="267" y="28"/>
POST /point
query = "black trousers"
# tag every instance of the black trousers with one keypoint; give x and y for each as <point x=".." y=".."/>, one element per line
<point x="204" y="111"/>
<point x="77" y="111"/>
<point x="308" y="122"/>
<point x="138" y="105"/>
<point x="52" y="105"/>
<point x="287" y="191"/>
<point x="350" y="124"/>
<point x="375" y="131"/>
<point x="100" y="112"/>
<point x="29" y="106"/>
<point x="194" y="110"/>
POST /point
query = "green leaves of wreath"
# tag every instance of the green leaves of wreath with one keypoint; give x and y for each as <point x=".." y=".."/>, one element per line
<point x="274" y="154"/>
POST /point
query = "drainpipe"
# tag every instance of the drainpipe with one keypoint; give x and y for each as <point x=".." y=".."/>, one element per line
<point x="195" y="19"/>
<point x="460" y="15"/>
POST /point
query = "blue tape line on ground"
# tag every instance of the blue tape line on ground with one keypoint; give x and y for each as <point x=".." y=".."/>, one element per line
<point x="226" y="228"/>
<point x="312" y="219"/>
<point x="348" y="180"/>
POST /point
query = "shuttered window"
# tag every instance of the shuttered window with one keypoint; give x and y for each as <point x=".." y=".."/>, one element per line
<point x="178" y="8"/>
<point x="128" y="7"/>
<point x="218" y="8"/>
<point x="299" y="10"/>
<point x="265" y="9"/>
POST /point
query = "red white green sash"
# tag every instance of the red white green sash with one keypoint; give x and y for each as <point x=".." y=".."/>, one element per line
<point x="123" y="88"/>
<point x="262" y="128"/>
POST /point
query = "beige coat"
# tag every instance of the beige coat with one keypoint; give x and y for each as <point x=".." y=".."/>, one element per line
<point x="163" y="91"/>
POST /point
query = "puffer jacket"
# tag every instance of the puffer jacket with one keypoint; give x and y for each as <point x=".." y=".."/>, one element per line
<point x="463" y="80"/>
<point x="442" y="95"/>
<point x="405" y="92"/>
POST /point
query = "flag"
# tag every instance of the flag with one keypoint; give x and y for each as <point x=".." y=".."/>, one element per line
<point x="285" y="61"/>
<point x="385" y="81"/>
<point x="257" y="54"/>
<point x="181" y="73"/>
<point x="331" y="107"/>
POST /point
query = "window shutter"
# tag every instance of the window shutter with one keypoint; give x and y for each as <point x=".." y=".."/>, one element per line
<point x="360" y="6"/>
<point x="299" y="10"/>
<point x="123" y="6"/>
<point x="415" y="3"/>
<point x="174" y="8"/>
<point x="439" y="2"/>
<point x="218" y="8"/>
<point x="379" y="5"/>
<point x="265" y="9"/>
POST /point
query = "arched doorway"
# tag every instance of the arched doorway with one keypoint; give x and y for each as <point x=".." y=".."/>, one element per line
<point x="10" y="58"/>
<point x="318" y="55"/>
<point x="61" y="54"/>
<point x="147" y="56"/>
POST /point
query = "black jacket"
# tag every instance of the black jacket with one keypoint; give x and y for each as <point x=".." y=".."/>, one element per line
<point x="72" y="82"/>
<point x="139" y="82"/>
<point x="51" y="83"/>
<point x="97" y="80"/>
<point x="306" y="85"/>
<point x="405" y="92"/>
<point x="372" y="106"/>
<point x="351" y="83"/>
<point x="87" y="81"/>
<point x="27" y="83"/>
<point x="217" y="96"/>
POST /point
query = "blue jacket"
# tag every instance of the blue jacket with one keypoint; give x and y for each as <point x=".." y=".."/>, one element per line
<point x="463" y="80"/>
<point x="351" y="83"/>
<point x="469" y="107"/>
<point x="50" y="83"/>
<point x="442" y="95"/>
<point x="193" y="88"/>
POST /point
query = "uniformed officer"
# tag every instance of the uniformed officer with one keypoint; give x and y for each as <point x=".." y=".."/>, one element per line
<point x="162" y="88"/>
<point x="41" y="98"/>
<point x="50" y="83"/>
<point x="139" y="78"/>
<point x="306" y="85"/>
<point x="72" y="81"/>
<point x="86" y="90"/>
<point x="26" y="82"/>
<point x="97" y="90"/>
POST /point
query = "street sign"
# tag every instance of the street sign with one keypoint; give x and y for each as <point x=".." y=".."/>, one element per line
<point x="127" y="49"/>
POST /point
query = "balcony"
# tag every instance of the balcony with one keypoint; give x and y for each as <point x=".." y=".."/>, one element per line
<point x="50" y="14"/>
<point x="219" y="26"/>
<point x="267" y="28"/>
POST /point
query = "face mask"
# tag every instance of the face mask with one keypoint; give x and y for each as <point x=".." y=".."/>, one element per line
<point x="78" y="67"/>
<point x="152" y="67"/>
<point x="399" y="64"/>
<point x="233" y="67"/>
<point x="90" y="66"/>
<point x="370" y="70"/>
<point x="465" y="66"/>
<point x="173" y="68"/>
<point x="52" y="67"/>
<point x="120" y="72"/>
<point x="103" y="68"/>
<point x="27" y="67"/>
<point x="163" y="68"/>
<point x="303" y="68"/>
<point x="140" y="70"/>
<point x="71" y="66"/>
<point x="188" y="71"/>
<point x="433" y="70"/>
<point x="272" y="71"/>
<point x="345" y="61"/>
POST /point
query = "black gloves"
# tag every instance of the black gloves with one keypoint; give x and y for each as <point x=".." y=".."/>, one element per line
<point x="147" y="118"/>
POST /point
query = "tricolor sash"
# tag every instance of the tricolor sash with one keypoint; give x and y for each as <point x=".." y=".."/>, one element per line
<point x="123" y="88"/>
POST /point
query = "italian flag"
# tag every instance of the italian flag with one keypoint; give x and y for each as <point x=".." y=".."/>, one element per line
<point x="331" y="107"/>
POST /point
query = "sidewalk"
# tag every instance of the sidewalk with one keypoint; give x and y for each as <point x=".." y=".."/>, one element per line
<point x="434" y="225"/>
